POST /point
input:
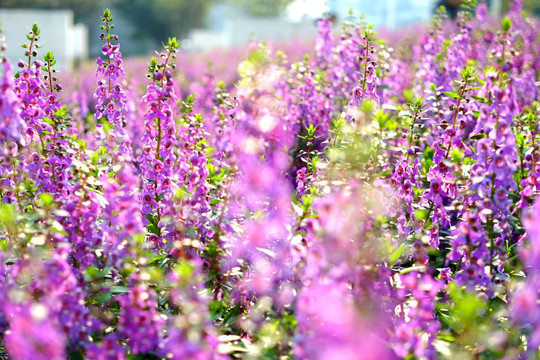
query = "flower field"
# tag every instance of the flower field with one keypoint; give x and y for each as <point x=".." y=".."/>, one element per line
<point x="375" y="199"/>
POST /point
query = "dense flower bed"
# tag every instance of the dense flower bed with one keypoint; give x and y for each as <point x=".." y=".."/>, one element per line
<point x="372" y="201"/>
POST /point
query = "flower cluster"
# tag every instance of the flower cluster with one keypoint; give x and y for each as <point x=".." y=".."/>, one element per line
<point x="11" y="114"/>
<point x="158" y="157"/>
<point x="110" y="96"/>
<point x="376" y="198"/>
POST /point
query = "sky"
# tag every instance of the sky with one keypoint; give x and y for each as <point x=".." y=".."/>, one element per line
<point x="312" y="9"/>
<point x="299" y="9"/>
<point x="381" y="13"/>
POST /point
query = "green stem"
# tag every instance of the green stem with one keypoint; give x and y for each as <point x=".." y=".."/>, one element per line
<point x="159" y="137"/>
<point x="365" y="66"/>
<point x="490" y="225"/>
<point x="454" y="120"/>
<point x="411" y="132"/>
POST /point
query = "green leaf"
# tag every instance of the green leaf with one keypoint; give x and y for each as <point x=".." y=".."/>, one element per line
<point x="479" y="98"/>
<point x="104" y="297"/>
<point x="506" y="24"/>
<point x="396" y="254"/>
<point x="421" y="214"/>
<point x="457" y="155"/>
<point x="49" y="121"/>
<point x="184" y="269"/>
<point x="45" y="200"/>
<point x="118" y="289"/>
<point x="8" y="217"/>
<point x="153" y="229"/>
<point x="75" y="355"/>
<point x="520" y="139"/>
<point x="156" y="258"/>
<point x="48" y="56"/>
<point x="451" y="94"/>
<point x="3" y="245"/>
<point x="384" y="174"/>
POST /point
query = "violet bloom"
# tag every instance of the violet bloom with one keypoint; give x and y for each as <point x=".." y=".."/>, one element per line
<point x="12" y="124"/>
<point x="139" y="322"/>
<point x="4" y="299"/>
<point x="530" y="184"/>
<point x="458" y="51"/>
<point x="429" y="72"/>
<point x="442" y="176"/>
<point x="133" y="120"/>
<point x="496" y="161"/>
<point x="329" y="327"/>
<point x="261" y="187"/>
<point x="190" y="334"/>
<point x="469" y="246"/>
<point x="418" y="326"/>
<point x="49" y="167"/>
<point x="32" y="335"/>
<point x="351" y="281"/>
<point x="192" y="171"/>
<point x="338" y="58"/>
<point x="84" y="207"/>
<point x="324" y="44"/>
<point x="108" y="349"/>
<point x="58" y="287"/>
<point x="367" y="86"/>
<point x="308" y="116"/>
<point x="308" y="105"/>
<point x="204" y="92"/>
<point x="524" y="306"/>
<point x="76" y="320"/>
<point x="122" y="214"/>
<point x="158" y="157"/>
<point x="51" y="314"/>
<point x="110" y="97"/>
<point x="404" y="180"/>
<point x="33" y="94"/>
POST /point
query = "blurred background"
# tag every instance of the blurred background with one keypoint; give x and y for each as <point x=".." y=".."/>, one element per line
<point x="70" y="28"/>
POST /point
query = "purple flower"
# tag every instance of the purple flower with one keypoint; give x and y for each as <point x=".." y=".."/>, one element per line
<point x="159" y="140"/>
<point x="12" y="124"/>
<point x="111" y="100"/>
<point x="32" y="335"/>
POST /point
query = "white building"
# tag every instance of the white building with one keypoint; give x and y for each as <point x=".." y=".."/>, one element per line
<point x="67" y="41"/>
<point x="230" y="25"/>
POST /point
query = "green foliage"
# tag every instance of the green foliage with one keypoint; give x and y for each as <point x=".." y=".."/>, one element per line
<point x="262" y="8"/>
<point x="49" y="58"/>
<point x="107" y="15"/>
<point x="8" y="217"/>
<point x="172" y="44"/>
<point x="506" y="24"/>
<point x="166" y="17"/>
<point x="35" y="29"/>
<point x="529" y="6"/>
<point x="469" y="4"/>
